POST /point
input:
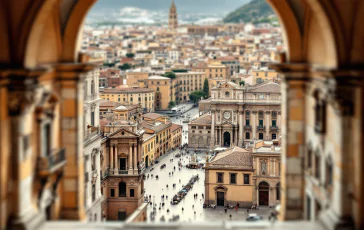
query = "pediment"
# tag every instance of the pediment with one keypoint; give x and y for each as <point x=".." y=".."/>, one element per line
<point x="123" y="133"/>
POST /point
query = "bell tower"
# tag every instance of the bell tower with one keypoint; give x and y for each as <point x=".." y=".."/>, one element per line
<point x="172" y="20"/>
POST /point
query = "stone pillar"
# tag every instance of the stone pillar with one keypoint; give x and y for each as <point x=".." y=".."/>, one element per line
<point x="241" y="128"/>
<point x="116" y="169"/>
<point x="98" y="165"/>
<point x="130" y="157"/>
<point x="267" y="125"/>
<point x="293" y="139"/>
<point x="18" y="89"/>
<point x="111" y="157"/>
<point x="253" y="116"/>
<point x="71" y="91"/>
<point x="135" y="159"/>
<point x="213" y="128"/>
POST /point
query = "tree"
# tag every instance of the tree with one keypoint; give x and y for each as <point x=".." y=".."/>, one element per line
<point x="170" y="75"/>
<point x="171" y="104"/>
<point x="242" y="82"/>
<point x="130" y="55"/>
<point x="125" y="66"/>
<point x="206" y="88"/>
<point x="195" y="96"/>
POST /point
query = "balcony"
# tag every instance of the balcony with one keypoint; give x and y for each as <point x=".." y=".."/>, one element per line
<point x="260" y="127"/>
<point x="92" y="133"/>
<point x="49" y="164"/>
<point x="273" y="128"/>
<point x="124" y="172"/>
<point x="248" y="127"/>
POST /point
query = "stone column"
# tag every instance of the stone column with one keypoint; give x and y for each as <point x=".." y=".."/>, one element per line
<point x="111" y="158"/>
<point x="135" y="159"/>
<point x="71" y="93"/>
<point x="213" y="128"/>
<point x="267" y="125"/>
<point x="116" y="169"/>
<point x="130" y="157"/>
<point x="18" y="96"/>
<point x="98" y="165"/>
<point x="253" y="117"/>
<point x="241" y="128"/>
<point x="293" y="89"/>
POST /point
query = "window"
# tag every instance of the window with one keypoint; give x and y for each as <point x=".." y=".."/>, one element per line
<point x="233" y="178"/>
<point x="247" y="122"/>
<point x="320" y="114"/>
<point x="131" y="192"/>
<point x="122" y="189"/>
<point x="46" y="140"/>
<point x="92" y="87"/>
<point x="261" y="123"/>
<point x="92" y="118"/>
<point x="93" y="193"/>
<point x="263" y="168"/>
<point x="246" y="178"/>
<point x="260" y="136"/>
<point x="112" y="192"/>
<point x="274" y="136"/>
<point x="157" y="89"/>
<point x="220" y="177"/>
<point x="309" y="158"/>
<point x="274" y="123"/>
<point x="247" y="135"/>
<point x="278" y="191"/>
<point x="317" y="165"/>
<point x="328" y="172"/>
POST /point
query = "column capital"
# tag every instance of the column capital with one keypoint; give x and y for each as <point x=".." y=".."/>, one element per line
<point x="22" y="86"/>
<point x="72" y="71"/>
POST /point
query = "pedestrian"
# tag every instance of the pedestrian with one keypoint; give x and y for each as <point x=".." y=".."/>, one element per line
<point x="225" y="209"/>
<point x="182" y="209"/>
<point x="230" y="216"/>
<point x="195" y="213"/>
<point x="236" y="208"/>
<point x="193" y="206"/>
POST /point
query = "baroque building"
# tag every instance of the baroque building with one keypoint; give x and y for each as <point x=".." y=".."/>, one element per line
<point x="123" y="171"/>
<point x="238" y="115"/>
<point x="245" y="176"/>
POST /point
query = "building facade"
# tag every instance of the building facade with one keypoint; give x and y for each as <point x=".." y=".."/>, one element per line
<point x="92" y="146"/>
<point x="134" y="96"/>
<point x="122" y="172"/>
<point x="239" y="115"/>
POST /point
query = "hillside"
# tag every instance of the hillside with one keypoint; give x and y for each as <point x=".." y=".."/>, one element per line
<point x="255" y="11"/>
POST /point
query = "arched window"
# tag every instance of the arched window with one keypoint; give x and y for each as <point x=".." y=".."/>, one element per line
<point x="278" y="191"/>
<point x="122" y="189"/>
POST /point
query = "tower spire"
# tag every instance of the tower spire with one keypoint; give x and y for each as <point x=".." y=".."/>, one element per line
<point x="172" y="20"/>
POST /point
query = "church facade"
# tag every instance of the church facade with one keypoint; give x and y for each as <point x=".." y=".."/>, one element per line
<point x="239" y="115"/>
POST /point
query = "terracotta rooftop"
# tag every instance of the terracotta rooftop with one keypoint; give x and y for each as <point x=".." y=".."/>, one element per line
<point x="233" y="157"/>
<point x="127" y="90"/>
<point x="152" y="116"/>
<point x="106" y="103"/>
<point x="175" y="127"/>
<point x="267" y="88"/>
<point x="205" y="119"/>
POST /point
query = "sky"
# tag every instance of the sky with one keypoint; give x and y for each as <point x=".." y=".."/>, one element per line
<point x="183" y="6"/>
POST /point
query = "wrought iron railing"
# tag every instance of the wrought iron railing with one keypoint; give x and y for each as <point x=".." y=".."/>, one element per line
<point x="247" y="127"/>
<point x="51" y="161"/>
<point x="260" y="127"/>
<point x="274" y="127"/>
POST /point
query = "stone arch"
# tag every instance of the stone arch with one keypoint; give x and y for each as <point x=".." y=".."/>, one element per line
<point x="42" y="22"/>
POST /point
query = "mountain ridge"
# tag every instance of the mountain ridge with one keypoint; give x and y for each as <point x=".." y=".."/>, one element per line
<point x="255" y="11"/>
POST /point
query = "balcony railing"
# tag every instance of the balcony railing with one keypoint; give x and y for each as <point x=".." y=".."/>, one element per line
<point x="247" y="127"/>
<point x="260" y="127"/>
<point x="92" y="132"/>
<point x="49" y="164"/>
<point x="123" y="171"/>
<point x="273" y="127"/>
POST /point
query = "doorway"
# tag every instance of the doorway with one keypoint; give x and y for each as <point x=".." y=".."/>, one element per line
<point x="263" y="193"/>
<point x="121" y="215"/>
<point x="122" y="163"/>
<point x="146" y="161"/>
<point x="220" y="200"/>
<point x="226" y="139"/>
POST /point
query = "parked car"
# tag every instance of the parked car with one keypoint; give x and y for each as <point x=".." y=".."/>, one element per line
<point x="254" y="217"/>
